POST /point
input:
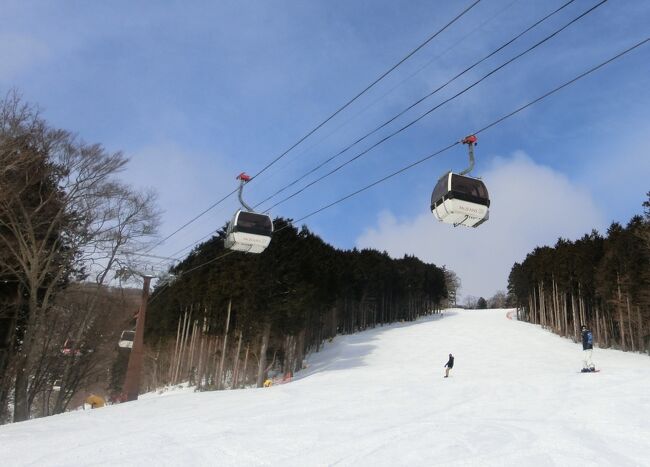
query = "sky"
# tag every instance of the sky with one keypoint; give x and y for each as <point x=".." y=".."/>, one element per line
<point x="195" y="93"/>
<point x="514" y="397"/>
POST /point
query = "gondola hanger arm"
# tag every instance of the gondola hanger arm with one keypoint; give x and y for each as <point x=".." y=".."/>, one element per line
<point x="470" y="141"/>
<point x="243" y="179"/>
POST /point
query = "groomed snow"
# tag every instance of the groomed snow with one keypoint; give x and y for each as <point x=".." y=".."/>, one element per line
<point x="378" y="398"/>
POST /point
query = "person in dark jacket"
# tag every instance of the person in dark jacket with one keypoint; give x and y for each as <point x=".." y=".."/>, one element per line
<point x="587" y="349"/>
<point x="449" y="365"/>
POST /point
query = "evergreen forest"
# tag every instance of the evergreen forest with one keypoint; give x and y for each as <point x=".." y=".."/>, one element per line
<point x="600" y="281"/>
<point x="230" y="319"/>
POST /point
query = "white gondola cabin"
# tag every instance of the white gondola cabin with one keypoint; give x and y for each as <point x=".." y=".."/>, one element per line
<point x="249" y="232"/>
<point x="126" y="339"/>
<point x="460" y="200"/>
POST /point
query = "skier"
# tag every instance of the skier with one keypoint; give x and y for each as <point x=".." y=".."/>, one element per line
<point x="587" y="350"/>
<point x="449" y="365"/>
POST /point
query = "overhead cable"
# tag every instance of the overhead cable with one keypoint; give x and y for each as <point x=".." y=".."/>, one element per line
<point x="430" y="94"/>
<point x="320" y="125"/>
<point x="463" y="91"/>
<point x="367" y="88"/>
<point x="483" y="129"/>
<point x="400" y="83"/>
<point x="446" y="148"/>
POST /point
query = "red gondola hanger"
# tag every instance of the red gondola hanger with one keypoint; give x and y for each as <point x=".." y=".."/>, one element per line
<point x="244" y="177"/>
<point x="471" y="139"/>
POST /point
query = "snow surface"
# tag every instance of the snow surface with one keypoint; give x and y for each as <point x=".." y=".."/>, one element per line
<point x="378" y="398"/>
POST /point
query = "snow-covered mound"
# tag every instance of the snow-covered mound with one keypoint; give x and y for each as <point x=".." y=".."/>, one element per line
<point x="514" y="397"/>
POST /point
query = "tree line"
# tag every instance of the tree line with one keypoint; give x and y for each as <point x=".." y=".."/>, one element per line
<point x="600" y="281"/>
<point x="260" y="314"/>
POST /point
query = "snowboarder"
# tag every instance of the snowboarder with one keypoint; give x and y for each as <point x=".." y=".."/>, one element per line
<point x="587" y="350"/>
<point x="449" y="365"/>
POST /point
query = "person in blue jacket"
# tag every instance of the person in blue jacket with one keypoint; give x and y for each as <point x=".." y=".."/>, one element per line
<point x="587" y="349"/>
<point x="449" y="365"/>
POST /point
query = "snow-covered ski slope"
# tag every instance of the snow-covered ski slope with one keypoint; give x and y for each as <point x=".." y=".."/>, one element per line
<point x="378" y="398"/>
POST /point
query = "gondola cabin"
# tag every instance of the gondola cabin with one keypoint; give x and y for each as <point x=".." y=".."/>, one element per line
<point x="126" y="339"/>
<point x="460" y="200"/>
<point x="249" y="232"/>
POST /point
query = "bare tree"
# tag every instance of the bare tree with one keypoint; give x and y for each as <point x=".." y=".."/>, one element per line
<point x="452" y="283"/>
<point x="471" y="302"/>
<point x="498" y="300"/>
<point x="125" y="226"/>
<point x="62" y="216"/>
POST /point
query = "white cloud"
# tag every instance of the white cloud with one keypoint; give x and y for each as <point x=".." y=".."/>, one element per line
<point x="531" y="205"/>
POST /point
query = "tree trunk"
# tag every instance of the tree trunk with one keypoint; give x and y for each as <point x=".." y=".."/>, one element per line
<point x="542" y="307"/>
<point x="223" y="349"/>
<point x="172" y="364"/>
<point x="619" y="305"/>
<point x="642" y="346"/>
<point x="190" y="368"/>
<point x="245" y="365"/>
<point x="554" y="304"/>
<point x="235" y="375"/>
<point x="565" y="312"/>
<point x="574" y="317"/>
<point x="206" y="366"/>
<point x="605" y="333"/>
<point x="202" y="355"/>
<point x="629" y="321"/>
<point x="300" y="351"/>
<point x="21" y="405"/>
<point x="262" y="360"/>
<point x="6" y="357"/>
<point x="598" y="336"/>
<point x="215" y="363"/>
<point x="580" y="310"/>
<point x="179" y="355"/>
<point x="23" y="364"/>
<point x="199" y="365"/>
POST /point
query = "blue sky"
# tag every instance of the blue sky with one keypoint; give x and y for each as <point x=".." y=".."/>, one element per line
<point x="196" y="92"/>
